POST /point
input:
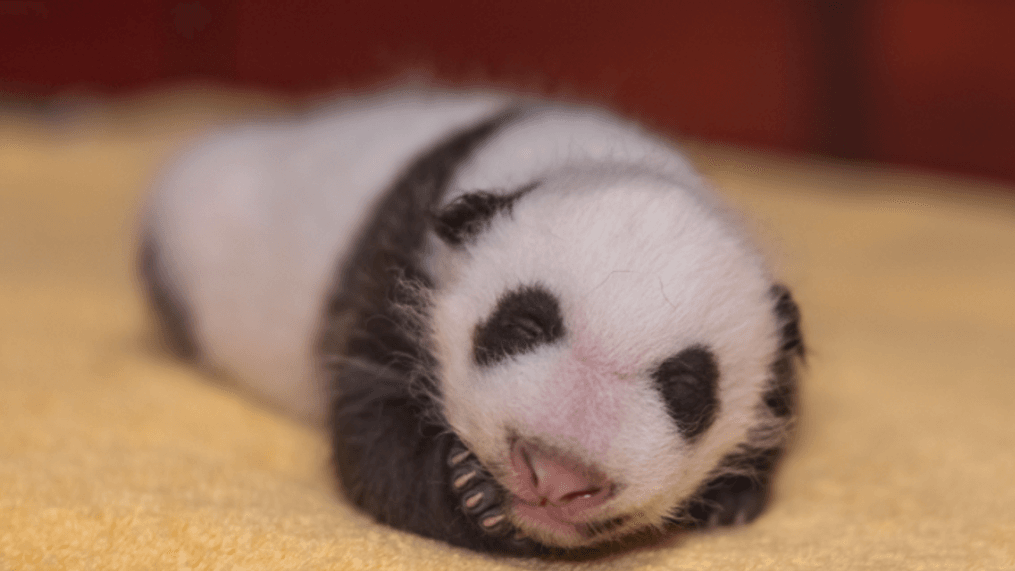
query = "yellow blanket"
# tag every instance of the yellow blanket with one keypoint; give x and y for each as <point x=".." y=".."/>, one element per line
<point x="113" y="456"/>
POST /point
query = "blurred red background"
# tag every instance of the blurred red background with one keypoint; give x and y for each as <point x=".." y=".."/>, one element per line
<point x="919" y="82"/>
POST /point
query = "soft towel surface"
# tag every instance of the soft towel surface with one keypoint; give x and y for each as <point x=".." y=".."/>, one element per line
<point x="113" y="456"/>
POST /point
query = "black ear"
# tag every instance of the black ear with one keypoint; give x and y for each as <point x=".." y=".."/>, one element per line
<point x="781" y="396"/>
<point x="789" y="320"/>
<point x="470" y="214"/>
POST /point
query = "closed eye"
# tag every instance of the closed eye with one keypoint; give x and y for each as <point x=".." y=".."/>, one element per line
<point x="526" y="328"/>
<point x="522" y="320"/>
<point x="689" y="385"/>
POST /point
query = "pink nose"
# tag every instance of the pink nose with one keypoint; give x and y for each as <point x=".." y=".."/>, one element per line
<point x="549" y="478"/>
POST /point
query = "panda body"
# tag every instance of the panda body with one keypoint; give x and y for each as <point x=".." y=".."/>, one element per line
<point x="528" y="325"/>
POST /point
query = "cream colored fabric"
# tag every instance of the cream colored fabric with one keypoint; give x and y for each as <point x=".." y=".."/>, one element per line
<point x="114" y="457"/>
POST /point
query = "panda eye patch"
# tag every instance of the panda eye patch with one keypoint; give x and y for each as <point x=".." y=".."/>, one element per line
<point x="689" y="385"/>
<point x="522" y="320"/>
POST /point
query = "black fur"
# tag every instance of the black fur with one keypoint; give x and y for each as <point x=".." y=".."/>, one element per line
<point x="468" y="215"/>
<point x="781" y="395"/>
<point x="789" y="317"/>
<point x="172" y="316"/>
<point x="689" y="383"/>
<point x="522" y="320"/>
<point x="391" y="450"/>
<point x="725" y="499"/>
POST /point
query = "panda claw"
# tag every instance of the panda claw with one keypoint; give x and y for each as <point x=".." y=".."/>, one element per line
<point x="478" y="494"/>
<point x="473" y="500"/>
<point x="458" y="454"/>
<point x="463" y="479"/>
<point x="495" y="523"/>
<point x="480" y="499"/>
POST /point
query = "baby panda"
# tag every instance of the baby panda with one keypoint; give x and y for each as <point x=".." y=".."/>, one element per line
<point x="528" y="326"/>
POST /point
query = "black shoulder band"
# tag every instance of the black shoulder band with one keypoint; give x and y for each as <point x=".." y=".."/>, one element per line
<point x="389" y="442"/>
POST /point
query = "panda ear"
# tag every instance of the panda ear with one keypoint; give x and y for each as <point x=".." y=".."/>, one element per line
<point x="469" y="215"/>
<point x="788" y="314"/>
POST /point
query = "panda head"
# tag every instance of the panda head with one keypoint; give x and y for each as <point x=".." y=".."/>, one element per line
<point x="603" y="341"/>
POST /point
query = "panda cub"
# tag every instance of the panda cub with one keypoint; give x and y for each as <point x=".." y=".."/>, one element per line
<point x="527" y="325"/>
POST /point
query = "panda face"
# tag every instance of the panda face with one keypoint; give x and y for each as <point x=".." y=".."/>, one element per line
<point x="602" y="343"/>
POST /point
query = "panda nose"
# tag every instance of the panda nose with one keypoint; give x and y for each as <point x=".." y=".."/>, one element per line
<point x="551" y="478"/>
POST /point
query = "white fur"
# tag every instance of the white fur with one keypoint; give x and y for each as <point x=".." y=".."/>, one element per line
<point x="620" y="228"/>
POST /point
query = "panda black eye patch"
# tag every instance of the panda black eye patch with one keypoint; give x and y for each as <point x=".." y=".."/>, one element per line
<point x="522" y="320"/>
<point x="689" y="384"/>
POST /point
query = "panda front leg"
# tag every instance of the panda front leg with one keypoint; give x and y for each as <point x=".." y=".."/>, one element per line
<point x="731" y="500"/>
<point x="738" y="498"/>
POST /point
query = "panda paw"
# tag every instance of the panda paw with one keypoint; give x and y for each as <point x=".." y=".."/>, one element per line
<point x="478" y="494"/>
<point x="729" y="501"/>
<point x="480" y="498"/>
